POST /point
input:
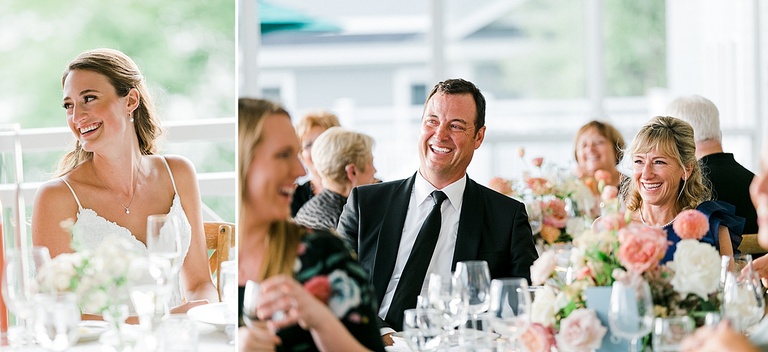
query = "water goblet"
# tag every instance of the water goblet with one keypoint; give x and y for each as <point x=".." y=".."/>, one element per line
<point x="164" y="242"/>
<point x="251" y="297"/>
<point x="630" y="314"/>
<point x="669" y="332"/>
<point x="450" y="296"/>
<point x="149" y="297"/>
<point x="510" y="307"/>
<point x="422" y="329"/>
<point x="228" y="292"/>
<point x="743" y="302"/>
<point x="19" y="286"/>
<point x="476" y="276"/>
<point x="56" y="319"/>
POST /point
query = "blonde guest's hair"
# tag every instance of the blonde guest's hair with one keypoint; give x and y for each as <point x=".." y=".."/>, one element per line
<point x="673" y="138"/>
<point x="319" y="118"/>
<point x="123" y="74"/>
<point x="284" y="236"/>
<point x="336" y="148"/>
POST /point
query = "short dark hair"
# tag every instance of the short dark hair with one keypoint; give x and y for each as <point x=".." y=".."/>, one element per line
<point x="461" y="86"/>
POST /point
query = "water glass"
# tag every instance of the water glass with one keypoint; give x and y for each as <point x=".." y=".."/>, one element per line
<point x="422" y="329"/>
<point x="630" y="314"/>
<point x="476" y="276"/>
<point x="164" y="241"/>
<point x="177" y="333"/>
<point x="510" y="307"/>
<point x="19" y="286"/>
<point x="743" y="302"/>
<point x="56" y="319"/>
<point x="669" y="332"/>
<point x="450" y="296"/>
<point x="149" y="297"/>
<point x="251" y="297"/>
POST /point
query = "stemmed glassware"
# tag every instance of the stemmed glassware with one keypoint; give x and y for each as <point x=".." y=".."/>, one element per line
<point x="251" y="296"/>
<point x="743" y="302"/>
<point x="630" y="314"/>
<point x="422" y="329"/>
<point x="449" y="296"/>
<point x="164" y="244"/>
<point x="149" y="298"/>
<point x="510" y="307"/>
<point x="535" y="214"/>
<point x="476" y="276"/>
<point x="19" y="287"/>
<point x="56" y="319"/>
<point x="228" y="291"/>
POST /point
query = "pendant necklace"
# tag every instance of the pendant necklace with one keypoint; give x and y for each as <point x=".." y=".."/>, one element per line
<point x="665" y="225"/>
<point x="127" y="208"/>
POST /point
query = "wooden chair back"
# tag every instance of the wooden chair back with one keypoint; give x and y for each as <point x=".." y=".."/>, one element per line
<point x="219" y="238"/>
<point x="749" y="244"/>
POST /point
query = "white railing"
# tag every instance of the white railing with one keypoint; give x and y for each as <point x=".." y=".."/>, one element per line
<point x="60" y="139"/>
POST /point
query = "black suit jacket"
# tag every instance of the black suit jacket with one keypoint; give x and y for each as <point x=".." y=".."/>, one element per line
<point x="492" y="227"/>
<point x="730" y="183"/>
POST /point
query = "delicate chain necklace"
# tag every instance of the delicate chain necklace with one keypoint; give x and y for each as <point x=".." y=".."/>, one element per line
<point x="127" y="208"/>
<point x="665" y="225"/>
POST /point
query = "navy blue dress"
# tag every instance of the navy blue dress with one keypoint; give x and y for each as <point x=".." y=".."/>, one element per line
<point x="719" y="214"/>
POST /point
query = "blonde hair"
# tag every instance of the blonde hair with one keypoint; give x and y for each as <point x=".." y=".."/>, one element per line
<point x="319" y="118"/>
<point x="674" y="138"/>
<point x="284" y="236"/>
<point x="336" y="148"/>
<point x="123" y="74"/>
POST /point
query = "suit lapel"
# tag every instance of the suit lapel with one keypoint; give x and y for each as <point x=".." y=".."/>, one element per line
<point x="389" y="236"/>
<point x="470" y="224"/>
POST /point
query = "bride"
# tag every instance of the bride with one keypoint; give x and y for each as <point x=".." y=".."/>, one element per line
<point x="113" y="179"/>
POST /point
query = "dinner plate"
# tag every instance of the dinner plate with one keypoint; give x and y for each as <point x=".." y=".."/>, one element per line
<point x="90" y="330"/>
<point x="215" y="314"/>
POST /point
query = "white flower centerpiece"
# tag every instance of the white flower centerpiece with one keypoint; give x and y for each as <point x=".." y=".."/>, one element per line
<point x="99" y="278"/>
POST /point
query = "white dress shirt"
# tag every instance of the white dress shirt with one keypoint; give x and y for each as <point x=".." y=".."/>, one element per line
<point x="419" y="206"/>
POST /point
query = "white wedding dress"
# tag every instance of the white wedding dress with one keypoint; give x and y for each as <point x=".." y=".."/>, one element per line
<point x="90" y="228"/>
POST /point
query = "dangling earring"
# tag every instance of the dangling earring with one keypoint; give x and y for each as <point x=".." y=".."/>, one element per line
<point x="131" y="118"/>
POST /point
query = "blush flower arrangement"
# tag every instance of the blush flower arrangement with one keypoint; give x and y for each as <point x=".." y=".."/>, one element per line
<point x="566" y="203"/>
<point x="614" y="248"/>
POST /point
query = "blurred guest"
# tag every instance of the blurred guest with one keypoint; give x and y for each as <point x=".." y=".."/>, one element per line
<point x="308" y="129"/>
<point x="667" y="179"/>
<point x="464" y="220"/>
<point x="314" y="295"/>
<point x="730" y="181"/>
<point x="598" y="146"/>
<point x="344" y="160"/>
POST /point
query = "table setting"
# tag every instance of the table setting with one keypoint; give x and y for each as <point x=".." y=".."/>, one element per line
<point x="54" y="300"/>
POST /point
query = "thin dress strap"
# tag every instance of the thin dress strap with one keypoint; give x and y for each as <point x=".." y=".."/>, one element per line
<point x="73" y="193"/>
<point x="170" y="173"/>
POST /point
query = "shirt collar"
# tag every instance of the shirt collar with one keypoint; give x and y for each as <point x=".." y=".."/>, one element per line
<point x="455" y="191"/>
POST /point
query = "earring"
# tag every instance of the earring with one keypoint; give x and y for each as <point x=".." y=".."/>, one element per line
<point x="130" y="118"/>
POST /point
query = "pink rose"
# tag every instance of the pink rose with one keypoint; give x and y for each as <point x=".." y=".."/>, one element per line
<point x="543" y="267"/>
<point x="609" y="193"/>
<point x="603" y="176"/>
<point x="691" y="224"/>
<point x="538" y="185"/>
<point x="538" y="338"/>
<point x="320" y="287"/>
<point x="641" y="247"/>
<point x="610" y="222"/>
<point x="580" y="331"/>
<point x="500" y="185"/>
<point x="555" y="213"/>
<point x="537" y="161"/>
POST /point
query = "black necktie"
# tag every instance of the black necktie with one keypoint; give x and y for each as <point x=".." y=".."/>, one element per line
<point x="412" y="277"/>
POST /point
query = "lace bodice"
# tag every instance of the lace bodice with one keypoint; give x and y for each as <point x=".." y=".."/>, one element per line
<point x="90" y="230"/>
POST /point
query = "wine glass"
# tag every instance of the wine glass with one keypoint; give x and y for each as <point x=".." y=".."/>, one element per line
<point x="20" y="286"/>
<point x="147" y="295"/>
<point x="164" y="241"/>
<point x="449" y="296"/>
<point x="56" y="319"/>
<point x="535" y="215"/>
<point x="669" y="332"/>
<point x="631" y="311"/>
<point x="422" y="328"/>
<point x="251" y="296"/>
<point x="743" y="302"/>
<point x="510" y="307"/>
<point x="476" y="277"/>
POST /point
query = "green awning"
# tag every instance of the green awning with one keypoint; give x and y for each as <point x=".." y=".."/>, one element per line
<point x="274" y="18"/>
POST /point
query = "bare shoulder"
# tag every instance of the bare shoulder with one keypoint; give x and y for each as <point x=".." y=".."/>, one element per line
<point x="180" y="166"/>
<point x="53" y="191"/>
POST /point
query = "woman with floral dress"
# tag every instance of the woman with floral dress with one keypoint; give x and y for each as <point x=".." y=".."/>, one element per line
<point x="314" y="294"/>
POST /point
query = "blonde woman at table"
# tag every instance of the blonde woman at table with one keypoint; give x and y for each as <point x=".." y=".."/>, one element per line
<point x="113" y="179"/>
<point x="667" y="179"/>
<point x="309" y="128"/>
<point x="299" y="270"/>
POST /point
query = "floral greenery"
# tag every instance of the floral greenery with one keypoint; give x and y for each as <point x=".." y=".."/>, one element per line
<point x="617" y="249"/>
